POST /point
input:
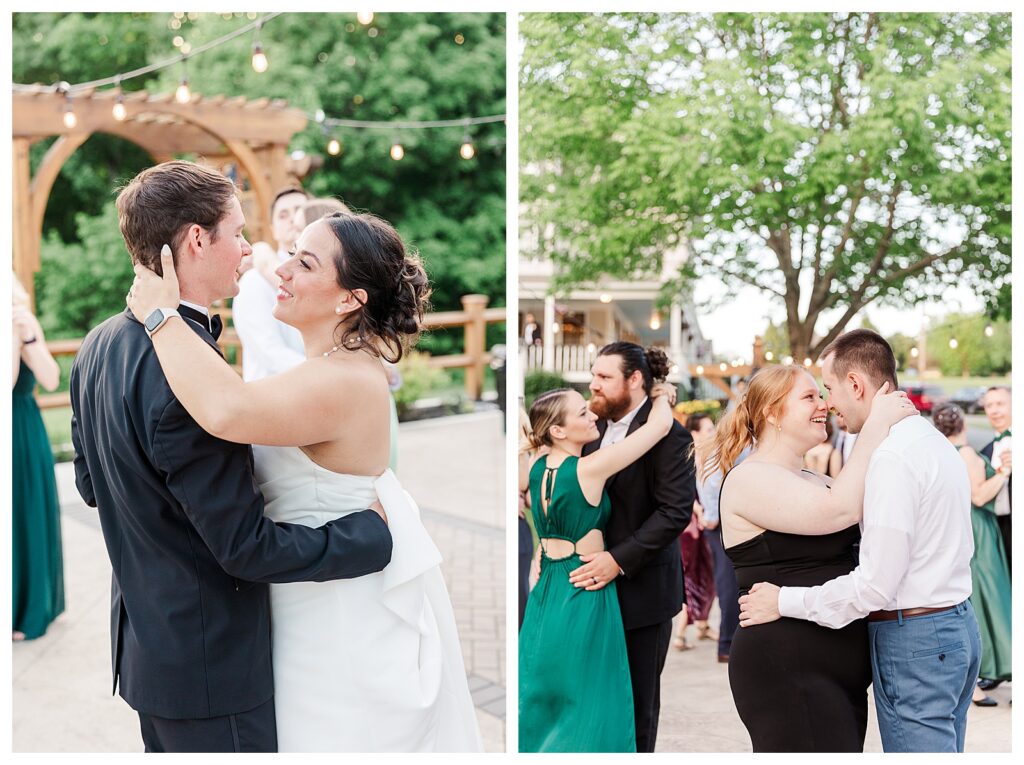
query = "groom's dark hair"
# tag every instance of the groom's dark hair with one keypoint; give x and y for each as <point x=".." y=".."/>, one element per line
<point x="159" y="204"/>
<point x="651" y="363"/>
<point x="865" y="351"/>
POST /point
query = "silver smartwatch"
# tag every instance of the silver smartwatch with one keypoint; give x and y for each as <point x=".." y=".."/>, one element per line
<point x="158" y="318"/>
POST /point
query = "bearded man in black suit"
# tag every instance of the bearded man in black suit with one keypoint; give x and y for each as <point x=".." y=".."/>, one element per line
<point x="652" y="501"/>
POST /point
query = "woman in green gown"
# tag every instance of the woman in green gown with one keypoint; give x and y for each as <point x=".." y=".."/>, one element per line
<point x="574" y="686"/>
<point x="990" y="573"/>
<point x="37" y="564"/>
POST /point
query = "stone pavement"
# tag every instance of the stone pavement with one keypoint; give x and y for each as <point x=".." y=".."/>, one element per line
<point x="698" y="714"/>
<point x="454" y="467"/>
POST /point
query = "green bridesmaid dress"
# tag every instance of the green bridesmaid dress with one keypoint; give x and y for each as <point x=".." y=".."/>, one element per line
<point x="990" y="589"/>
<point x="38" y="570"/>
<point x="574" y="687"/>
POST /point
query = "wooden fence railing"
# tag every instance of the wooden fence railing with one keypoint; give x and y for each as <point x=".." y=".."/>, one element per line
<point x="473" y="318"/>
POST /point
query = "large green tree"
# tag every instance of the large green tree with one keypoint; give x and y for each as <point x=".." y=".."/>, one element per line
<point x="403" y="66"/>
<point x="831" y="160"/>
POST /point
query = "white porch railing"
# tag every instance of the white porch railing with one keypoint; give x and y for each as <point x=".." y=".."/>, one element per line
<point x="572" y="362"/>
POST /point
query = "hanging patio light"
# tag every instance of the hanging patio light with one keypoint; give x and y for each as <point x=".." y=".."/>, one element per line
<point x="397" y="151"/>
<point x="183" y="94"/>
<point x="259" y="58"/>
<point x="364" y="17"/>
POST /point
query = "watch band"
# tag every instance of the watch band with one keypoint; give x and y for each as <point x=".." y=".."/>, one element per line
<point x="160" y="315"/>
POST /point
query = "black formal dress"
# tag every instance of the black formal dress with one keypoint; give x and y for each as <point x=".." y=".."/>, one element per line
<point x="190" y="549"/>
<point x="800" y="687"/>
<point x="652" y="501"/>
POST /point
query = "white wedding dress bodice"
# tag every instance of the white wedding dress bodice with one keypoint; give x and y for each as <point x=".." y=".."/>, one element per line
<point x="370" y="664"/>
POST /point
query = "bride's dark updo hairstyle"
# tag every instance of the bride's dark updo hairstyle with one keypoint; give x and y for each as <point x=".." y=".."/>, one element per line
<point x="652" y="363"/>
<point x="372" y="257"/>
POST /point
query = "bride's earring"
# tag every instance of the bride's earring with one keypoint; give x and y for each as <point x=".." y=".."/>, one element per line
<point x="337" y="310"/>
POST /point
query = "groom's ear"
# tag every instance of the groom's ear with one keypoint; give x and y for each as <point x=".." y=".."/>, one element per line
<point x="192" y="244"/>
<point x="859" y="385"/>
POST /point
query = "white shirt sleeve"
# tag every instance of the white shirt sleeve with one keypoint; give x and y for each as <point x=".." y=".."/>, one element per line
<point x="890" y="500"/>
<point x="259" y="332"/>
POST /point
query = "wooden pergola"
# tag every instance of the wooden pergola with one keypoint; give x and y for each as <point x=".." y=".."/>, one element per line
<point x="251" y="137"/>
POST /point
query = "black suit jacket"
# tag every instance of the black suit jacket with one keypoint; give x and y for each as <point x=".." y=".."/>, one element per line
<point x="183" y="523"/>
<point x="652" y="501"/>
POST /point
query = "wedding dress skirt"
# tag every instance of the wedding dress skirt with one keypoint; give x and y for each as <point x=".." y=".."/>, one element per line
<point x="370" y="664"/>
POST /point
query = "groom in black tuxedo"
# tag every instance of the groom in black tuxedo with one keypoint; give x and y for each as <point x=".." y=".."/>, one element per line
<point x="652" y="501"/>
<point x="181" y="513"/>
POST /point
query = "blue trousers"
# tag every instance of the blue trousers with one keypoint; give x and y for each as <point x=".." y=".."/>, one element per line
<point x="924" y="669"/>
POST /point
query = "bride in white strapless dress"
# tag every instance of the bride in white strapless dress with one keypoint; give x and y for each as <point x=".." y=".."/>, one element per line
<point x="370" y="664"/>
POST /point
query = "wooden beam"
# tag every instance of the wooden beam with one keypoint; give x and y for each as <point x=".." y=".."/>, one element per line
<point x="42" y="114"/>
<point x="46" y="174"/>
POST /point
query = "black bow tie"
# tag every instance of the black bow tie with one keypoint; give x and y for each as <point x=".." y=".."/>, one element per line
<point x="213" y="324"/>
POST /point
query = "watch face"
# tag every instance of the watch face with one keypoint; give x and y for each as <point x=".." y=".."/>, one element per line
<point x="154" y="319"/>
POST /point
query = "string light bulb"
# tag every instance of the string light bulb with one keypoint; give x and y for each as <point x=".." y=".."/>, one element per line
<point x="769" y="356"/>
<point x="70" y="120"/>
<point x="259" y="58"/>
<point x="397" y="151"/>
<point x="700" y="369"/>
<point x="466" y="151"/>
<point x="334" y="147"/>
<point x="953" y="343"/>
<point x="605" y="298"/>
<point x="989" y="330"/>
<point x="183" y="94"/>
<point x="364" y="17"/>
<point x="914" y="352"/>
<point x="655" y="320"/>
<point x="119" y="111"/>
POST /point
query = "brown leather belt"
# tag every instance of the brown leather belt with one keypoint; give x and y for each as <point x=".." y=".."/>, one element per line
<point x="888" y="616"/>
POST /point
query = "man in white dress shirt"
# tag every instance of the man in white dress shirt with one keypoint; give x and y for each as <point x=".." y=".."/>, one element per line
<point x="914" y="576"/>
<point x="268" y="345"/>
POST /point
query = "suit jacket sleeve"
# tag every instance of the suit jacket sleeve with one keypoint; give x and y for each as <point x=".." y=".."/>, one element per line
<point x="673" y="494"/>
<point x="212" y="481"/>
<point x="82" y="478"/>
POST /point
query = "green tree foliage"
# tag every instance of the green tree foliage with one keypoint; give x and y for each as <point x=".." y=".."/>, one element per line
<point x="975" y="354"/>
<point x="82" y="283"/>
<point x="831" y="160"/>
<point x="776" y="340"/>
<point x="404" y="66"/>
<point x="901" y="345"/>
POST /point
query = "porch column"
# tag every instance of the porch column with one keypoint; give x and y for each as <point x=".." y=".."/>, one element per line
<point x="675" y="333"/>
<point x="548" y="346"/>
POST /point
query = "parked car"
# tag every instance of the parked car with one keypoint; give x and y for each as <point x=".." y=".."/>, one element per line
<point x="924" y="396"/>
<point x="969" y="399"/>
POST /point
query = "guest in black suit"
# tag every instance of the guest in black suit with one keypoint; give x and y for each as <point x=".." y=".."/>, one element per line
<point x="998" y="409"/>
<point x="652" y="501"/>
<point x="181" y="514"/>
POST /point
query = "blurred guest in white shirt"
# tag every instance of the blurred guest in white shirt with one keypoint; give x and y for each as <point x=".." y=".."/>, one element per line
<point x="268" y="345"/>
